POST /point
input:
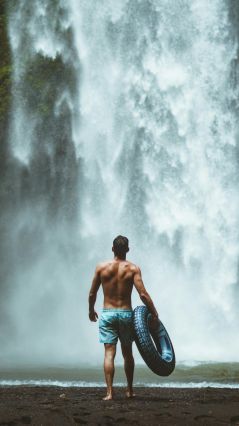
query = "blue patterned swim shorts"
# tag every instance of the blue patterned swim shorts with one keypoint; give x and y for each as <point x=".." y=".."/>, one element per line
<point x="114" y="324"/>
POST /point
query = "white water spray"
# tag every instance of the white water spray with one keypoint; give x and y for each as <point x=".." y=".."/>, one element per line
<point x="153" y="130"/>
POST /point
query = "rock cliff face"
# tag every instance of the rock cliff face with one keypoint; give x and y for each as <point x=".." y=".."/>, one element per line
<point x="5" y="83"/>
<point x="5" y="65"/>
<point x="40" y="138"/>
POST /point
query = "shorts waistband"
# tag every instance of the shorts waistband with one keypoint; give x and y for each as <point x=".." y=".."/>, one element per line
<point x="116" y="310"/>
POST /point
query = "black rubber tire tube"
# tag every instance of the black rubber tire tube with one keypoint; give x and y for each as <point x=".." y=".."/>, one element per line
<point x="154" y="345"/>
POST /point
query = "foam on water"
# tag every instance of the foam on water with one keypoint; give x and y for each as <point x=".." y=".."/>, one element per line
<point x="102" y="384"/>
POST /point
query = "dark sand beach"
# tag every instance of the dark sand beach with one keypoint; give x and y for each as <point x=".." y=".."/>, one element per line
<point x="38" y="405"/>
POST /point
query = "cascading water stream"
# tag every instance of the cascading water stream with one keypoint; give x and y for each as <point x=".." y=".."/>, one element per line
<point x="123" y="121"/>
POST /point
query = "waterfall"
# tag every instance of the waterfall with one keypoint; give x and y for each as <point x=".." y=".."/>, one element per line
<point x="123" y="121"/>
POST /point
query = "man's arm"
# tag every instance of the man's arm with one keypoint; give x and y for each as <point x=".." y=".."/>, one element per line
<point x="143" y="294"/>
<point x="93" y="293"/>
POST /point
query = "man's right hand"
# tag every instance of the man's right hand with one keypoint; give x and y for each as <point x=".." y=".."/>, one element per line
<point x="93" y="316"/>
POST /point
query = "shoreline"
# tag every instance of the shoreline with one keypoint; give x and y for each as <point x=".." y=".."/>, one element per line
<point x="217" y="375"/>
<point x="52" y="405"/>
<point x="83" y="384"/>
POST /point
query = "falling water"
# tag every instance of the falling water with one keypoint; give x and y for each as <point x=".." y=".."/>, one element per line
<point x="123" y="121"/>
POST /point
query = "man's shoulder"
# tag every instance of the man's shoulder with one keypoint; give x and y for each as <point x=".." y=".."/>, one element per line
<point x="109" y="263"/>
<point x="103" y="265"/>
<point x="134" y="268"/>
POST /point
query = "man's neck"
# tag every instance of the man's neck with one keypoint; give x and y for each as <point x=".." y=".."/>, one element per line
<point x="120" y="257"/>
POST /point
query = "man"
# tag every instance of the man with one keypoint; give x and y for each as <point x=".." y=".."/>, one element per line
<point x="118" y="276"/>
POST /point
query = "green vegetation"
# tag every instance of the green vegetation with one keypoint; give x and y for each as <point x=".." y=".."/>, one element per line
<point x="43" y="78"/>
<point x="5" y="66"/>
<point x="43" y="90"/>
<point x="43" y="81"/>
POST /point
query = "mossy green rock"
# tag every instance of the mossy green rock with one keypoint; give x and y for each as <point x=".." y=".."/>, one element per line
<point x="5" y="66"/>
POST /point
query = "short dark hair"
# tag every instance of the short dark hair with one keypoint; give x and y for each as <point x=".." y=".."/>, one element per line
<point x="120" y="245"/>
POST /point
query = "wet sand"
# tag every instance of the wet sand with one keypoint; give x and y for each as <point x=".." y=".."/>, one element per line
<point x="53" y="406"/>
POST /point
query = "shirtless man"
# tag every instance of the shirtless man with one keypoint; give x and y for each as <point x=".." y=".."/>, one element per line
<point x="118" y="276"/>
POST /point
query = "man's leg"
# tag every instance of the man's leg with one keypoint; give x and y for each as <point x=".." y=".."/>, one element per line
<point x="110" y="351"/>
<point x="128" y="367"/>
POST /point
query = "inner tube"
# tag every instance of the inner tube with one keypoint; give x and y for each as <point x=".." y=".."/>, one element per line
<point x="154" y="345"/>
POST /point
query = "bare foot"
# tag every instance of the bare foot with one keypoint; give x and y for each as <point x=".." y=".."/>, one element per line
<point x="130" y="393"/>
<point x="108" y="397"/>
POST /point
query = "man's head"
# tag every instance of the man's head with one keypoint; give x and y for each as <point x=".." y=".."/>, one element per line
<point x="120" y="246"/>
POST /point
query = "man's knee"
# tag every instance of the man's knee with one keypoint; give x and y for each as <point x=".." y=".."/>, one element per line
<point x="110" y="350"/>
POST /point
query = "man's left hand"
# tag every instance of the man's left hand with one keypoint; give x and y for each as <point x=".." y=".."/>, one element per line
<point x="93" y="316"/>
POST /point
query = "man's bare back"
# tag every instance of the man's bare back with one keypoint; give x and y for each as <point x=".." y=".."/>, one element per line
<point x="117" y="278"/>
